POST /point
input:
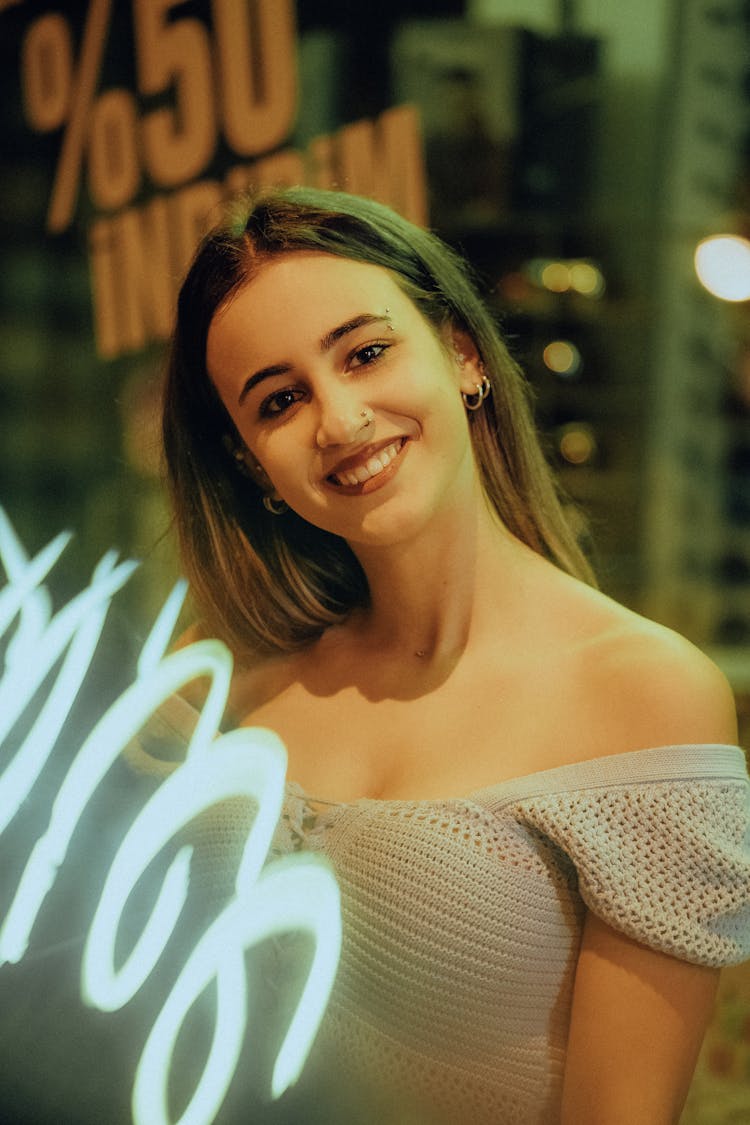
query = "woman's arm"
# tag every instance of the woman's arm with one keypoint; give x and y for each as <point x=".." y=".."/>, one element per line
<point x="638" y="1015"/>
<point x="637" y="1024"/>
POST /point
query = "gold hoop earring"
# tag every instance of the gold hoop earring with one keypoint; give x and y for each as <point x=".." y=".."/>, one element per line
<point x="275" y="507"/>
<point x="474" y="402"/>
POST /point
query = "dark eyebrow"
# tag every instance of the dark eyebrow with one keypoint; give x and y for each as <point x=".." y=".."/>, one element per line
<point x="326" y="344"/>
<point x="360" y="321"/>
<point x="259" y="376"/>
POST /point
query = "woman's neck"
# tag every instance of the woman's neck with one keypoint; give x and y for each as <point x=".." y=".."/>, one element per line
<point x="431" y="596"/>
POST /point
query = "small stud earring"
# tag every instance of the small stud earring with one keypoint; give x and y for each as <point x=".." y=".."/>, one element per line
<point x="237" y="455"/>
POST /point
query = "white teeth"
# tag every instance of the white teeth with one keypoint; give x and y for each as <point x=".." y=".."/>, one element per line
<point x="372" y="467"/>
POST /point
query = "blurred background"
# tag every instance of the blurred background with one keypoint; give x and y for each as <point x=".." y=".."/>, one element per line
<point x="590" y="157"/>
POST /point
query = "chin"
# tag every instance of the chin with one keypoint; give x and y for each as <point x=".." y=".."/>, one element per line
<point x="389" y="528"/>
<point x="399" y="518"/>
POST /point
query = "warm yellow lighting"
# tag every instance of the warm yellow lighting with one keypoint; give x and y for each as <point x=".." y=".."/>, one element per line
<point x="722" y="264"/>
<point x="556" y="277"/>
<point x="562" y="357"/>
<point x="561" y="275"/>
<point x="577" y="443"/>
<point x="586" y="279"/>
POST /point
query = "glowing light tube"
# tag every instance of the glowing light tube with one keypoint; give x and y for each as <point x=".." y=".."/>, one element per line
<point x="242" y="763"/>
<point x="297" y="893"/>
<point x="112" y="733"/>
<point x="78" y="626"/>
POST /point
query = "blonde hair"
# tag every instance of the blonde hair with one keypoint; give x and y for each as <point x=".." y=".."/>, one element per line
<point x="265" y="583"/>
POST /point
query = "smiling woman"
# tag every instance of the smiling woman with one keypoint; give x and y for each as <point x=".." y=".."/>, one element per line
<point x="271" y="588"/>
<point x="316" y="420"/>
<point x="531" y="796"/>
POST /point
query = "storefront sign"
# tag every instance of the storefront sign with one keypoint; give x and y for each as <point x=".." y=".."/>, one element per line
<point x="144" y="153"/>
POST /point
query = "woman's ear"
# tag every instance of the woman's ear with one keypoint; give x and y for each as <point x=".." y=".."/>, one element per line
<point x="246" y="464"/>
<point x="469" y="365"/>
<point x="263" y="481"/>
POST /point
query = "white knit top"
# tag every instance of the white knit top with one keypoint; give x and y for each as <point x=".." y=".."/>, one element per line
<point x="462" y="923"/>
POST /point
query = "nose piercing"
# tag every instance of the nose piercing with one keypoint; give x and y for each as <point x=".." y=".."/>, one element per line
<point x="351" y="426"/>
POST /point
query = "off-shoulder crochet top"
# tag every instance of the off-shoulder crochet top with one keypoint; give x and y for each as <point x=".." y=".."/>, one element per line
<point x="462" y="922"/>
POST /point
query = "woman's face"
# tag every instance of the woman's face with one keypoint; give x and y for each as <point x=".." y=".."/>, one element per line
<point x="345" y="396"/>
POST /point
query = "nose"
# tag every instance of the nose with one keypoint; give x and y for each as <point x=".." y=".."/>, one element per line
<point x="340" y="420"/>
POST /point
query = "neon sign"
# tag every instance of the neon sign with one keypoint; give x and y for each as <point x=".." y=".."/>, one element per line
<point x="294" y="893"/>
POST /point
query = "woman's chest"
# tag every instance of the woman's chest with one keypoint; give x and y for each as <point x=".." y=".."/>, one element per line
<point x="462" y="926"/>
<point x="445" y="743"/>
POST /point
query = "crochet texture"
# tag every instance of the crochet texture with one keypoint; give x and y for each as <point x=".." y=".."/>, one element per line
<point x="462" y="922"/>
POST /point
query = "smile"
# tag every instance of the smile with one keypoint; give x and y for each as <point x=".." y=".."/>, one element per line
<point x="353" y="476"/>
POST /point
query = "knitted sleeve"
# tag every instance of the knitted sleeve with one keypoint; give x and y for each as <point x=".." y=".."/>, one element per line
<point x="666" y="863"/>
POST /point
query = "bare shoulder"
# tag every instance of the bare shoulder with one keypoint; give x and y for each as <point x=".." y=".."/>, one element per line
<point x="253" y="681"/>
<point x="658" y="688"/>
<point x="256" y="684"/>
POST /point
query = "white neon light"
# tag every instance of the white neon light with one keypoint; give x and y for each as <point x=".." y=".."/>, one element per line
<point x="207" y="777"/>
<point x="36" y="606"/>
<point x="296" y="893"/>
<point x="34" y="650"/>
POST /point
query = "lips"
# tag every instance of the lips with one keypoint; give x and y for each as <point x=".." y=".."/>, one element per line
<point x="367" y="465"/>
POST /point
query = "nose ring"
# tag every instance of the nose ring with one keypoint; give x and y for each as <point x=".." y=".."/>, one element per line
<point x="353" y="428"/>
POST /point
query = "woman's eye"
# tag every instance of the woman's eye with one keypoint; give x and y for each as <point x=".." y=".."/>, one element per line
<point x="368" y="354"/>
<point x="279" y="402"/>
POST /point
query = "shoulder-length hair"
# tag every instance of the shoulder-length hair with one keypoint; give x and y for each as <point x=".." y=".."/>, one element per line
<point x="267" y="583"/>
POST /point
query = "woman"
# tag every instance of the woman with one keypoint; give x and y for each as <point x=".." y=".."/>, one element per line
<point x="530" y="795"/>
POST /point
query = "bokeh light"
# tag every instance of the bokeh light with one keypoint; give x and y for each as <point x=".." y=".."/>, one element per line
<point x="587" y="279"/>
<point x="722" y="263"/>
<point x="577" y="443"/>
<point x="563" y="358"/>
<point x="560" y="275"/>
<point x="556" y="277"/>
